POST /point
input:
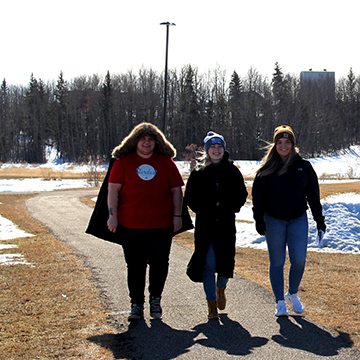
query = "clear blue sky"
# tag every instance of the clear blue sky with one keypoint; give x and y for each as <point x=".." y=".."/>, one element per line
<point x="92" y="36"/>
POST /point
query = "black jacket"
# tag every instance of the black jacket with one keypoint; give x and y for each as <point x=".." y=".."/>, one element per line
<point x="286" y="197"/>
<point x="215" y="194"/>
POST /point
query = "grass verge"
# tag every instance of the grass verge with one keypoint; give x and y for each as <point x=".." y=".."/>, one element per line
<point x="50" y="308"/>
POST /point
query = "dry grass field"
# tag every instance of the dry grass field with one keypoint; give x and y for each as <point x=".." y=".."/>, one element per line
<point x="46" y="173"/>
<point x="49" y="310"/>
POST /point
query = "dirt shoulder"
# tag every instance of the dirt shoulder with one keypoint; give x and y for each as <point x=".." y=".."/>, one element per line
<point x="50" y="308"/>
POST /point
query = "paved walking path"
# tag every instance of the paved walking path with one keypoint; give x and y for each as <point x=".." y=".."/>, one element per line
<point x="246" y="329"/>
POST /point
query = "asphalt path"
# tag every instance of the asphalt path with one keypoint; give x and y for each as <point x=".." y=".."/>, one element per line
<point x="247" y="328"/>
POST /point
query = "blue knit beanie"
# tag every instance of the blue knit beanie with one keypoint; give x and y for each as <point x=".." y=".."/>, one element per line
<point x="213" y="138"/>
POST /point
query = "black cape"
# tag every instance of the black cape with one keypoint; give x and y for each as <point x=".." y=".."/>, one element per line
<point x="98" y="222"/>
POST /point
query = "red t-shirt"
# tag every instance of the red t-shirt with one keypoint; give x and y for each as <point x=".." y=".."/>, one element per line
<point x="145" y="199"/>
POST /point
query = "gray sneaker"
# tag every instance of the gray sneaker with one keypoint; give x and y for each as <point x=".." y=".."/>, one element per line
<point x="137" y="312"/>
<point x="280" y="309"/>
<point x="294" y="301"/>
<point x="155" y="308"/>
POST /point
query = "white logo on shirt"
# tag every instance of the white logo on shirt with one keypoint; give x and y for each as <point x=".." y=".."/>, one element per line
<point x="146" y="172"/>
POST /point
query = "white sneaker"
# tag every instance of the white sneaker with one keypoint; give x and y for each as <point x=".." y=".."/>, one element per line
<point x="294" y="301"/>
<point x="280" y="309"/>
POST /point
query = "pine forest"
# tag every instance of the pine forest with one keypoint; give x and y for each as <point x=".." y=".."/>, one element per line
<point x="86" y="117"/>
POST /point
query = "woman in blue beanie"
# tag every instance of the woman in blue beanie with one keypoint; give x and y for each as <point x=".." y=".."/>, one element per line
<point x="215" y="191"/>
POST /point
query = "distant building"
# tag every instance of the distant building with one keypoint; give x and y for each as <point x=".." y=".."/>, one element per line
<point x="320" y="84"/>
<point x="318" y="76"/>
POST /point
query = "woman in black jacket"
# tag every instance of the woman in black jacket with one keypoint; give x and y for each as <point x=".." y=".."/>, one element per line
<point x="283" y="187"/>
<point x="215" y="192"/>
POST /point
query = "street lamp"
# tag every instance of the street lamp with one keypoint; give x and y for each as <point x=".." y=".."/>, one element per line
<point x="166" y="66"/>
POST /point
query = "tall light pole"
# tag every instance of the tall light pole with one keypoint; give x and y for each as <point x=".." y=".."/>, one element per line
<point x="166" y="66"/>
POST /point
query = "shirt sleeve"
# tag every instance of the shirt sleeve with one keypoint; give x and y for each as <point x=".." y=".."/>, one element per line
<point x="175" y="178"/>
<point x="190" y="191"/>
<point x="313" y="194"/>
<point x="117" y="173"/>
<point x="239" y="190"/>
<point x="258" y="197"/>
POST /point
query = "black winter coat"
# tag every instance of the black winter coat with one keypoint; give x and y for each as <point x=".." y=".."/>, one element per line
<point x="215" y="194"/>
<point x="286" y="197"/>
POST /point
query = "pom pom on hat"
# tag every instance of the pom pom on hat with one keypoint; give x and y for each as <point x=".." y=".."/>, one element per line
<point x="284" y="131"/>
<point x="213" y="138"/>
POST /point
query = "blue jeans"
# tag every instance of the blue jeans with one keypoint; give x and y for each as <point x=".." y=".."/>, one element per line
<point x="294" y="234"/>
<point x="209" y="281"/>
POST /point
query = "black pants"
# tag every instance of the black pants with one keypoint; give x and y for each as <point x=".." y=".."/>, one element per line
<point x="142" y="247"/>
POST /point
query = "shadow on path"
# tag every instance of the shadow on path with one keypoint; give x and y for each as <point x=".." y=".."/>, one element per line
<point x="160" y="341"/>
<point x="307" y="336"/>
<point x="227" y="335"/>
<point x="141" y="341"/>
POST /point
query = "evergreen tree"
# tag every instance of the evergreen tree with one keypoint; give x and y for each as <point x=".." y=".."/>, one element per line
<point x="33" y="141"/>
<point x="278" y="89"/>
<point x="189" y="114"/>
<point x="61" y="120"/>
<point x="107" y="127"/>
<point x="5" y="134"/>
<point x="351" y="111"/>
<point x="282" y="103"/>
<point x="236" y="107"/>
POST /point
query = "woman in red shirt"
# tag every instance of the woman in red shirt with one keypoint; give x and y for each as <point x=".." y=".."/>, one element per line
<point x="145" y="201"/>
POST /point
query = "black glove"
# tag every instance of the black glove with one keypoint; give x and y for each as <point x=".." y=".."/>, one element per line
<point x="260" y="226"/>
<point x="321" y="225"/>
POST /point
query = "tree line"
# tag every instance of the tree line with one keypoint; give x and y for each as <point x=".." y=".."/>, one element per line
<point x="86" y="117"/>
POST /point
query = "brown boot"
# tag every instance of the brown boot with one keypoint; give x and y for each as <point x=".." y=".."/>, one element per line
<point x="221" y="298"/>
<point x="213" y="314"/>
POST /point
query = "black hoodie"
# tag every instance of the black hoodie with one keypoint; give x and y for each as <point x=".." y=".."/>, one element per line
<point x="287" y="196"/>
